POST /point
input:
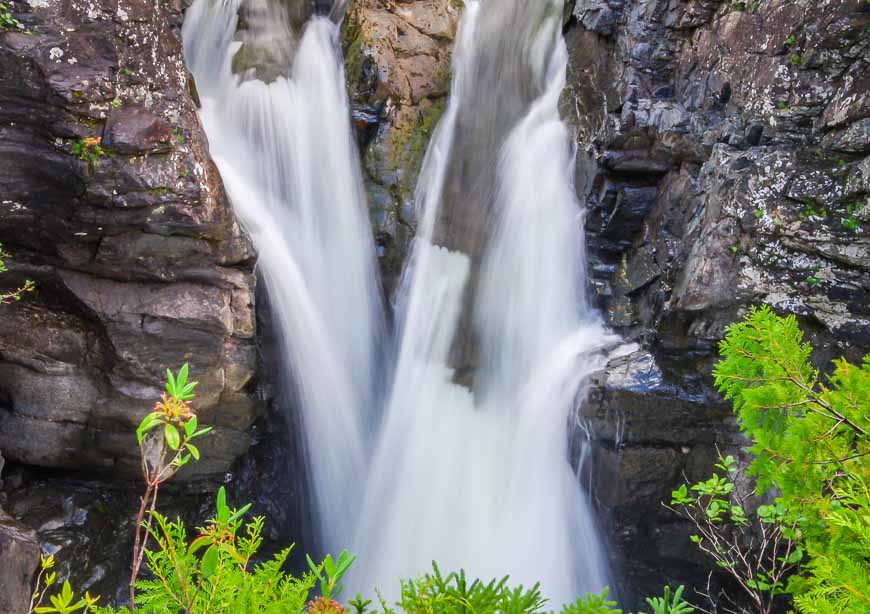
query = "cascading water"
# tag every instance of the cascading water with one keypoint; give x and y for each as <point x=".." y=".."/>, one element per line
<point x="471" y="468"/>
<point x="286" y="153"/>
<point x="468" y="465"/>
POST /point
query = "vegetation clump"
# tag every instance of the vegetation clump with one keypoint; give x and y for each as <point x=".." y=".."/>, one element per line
<point x="808" y="435"/>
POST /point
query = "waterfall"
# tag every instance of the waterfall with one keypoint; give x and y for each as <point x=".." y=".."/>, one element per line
<point x="471" y="467"/>
<point x="464" y="460"/>
<point x="287" y="155"/>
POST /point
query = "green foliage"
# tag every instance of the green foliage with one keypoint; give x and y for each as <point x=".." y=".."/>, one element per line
<point x="330" y="572"/>
<point x="455" y="594"/>
<point x="64" y="602"/>
<point x="750" y="545"/>
<point x="7" y="20"/>
<point x="667" y="604"/>
<point x="179" y="426"/>
<point x="89" y="150"/>
<point x="164" y="438"/>
<point x="809" y="439"/>
<point x="592" y="604"/>
<point x="850" y="221"/>
<point x="214" y="572"/>
<point x="14" y="295"/>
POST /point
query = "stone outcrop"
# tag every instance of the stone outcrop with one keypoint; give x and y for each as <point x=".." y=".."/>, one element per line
<point x="110" y="203"/>
<point x="19" y="558"/>
<point x="398" y="72"/>
<point x="724" y="160"/>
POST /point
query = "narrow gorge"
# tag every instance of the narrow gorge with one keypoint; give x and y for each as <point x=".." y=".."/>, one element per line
<point x="452" y="276"/>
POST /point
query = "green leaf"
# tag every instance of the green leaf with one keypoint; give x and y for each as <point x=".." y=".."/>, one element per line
<point x="173" y="440"/>
<point x="223" y="512"/>
<point x="181" y="379"/>
<point x="239" y="513"/>
<point x="190" y="427"/>
<point x="194" y="451"/>
<point x="209" y="563"/>
<point x="149" y="422"/>
<point x="170" y="383"/>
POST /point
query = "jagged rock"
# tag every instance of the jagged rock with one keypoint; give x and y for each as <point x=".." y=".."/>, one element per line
<point x="134" y="130"/>
<point x="112" y="206"/>
<point x="739" y="133"/>
<point x="648" y="433"/>
<point x="398" y="70"/>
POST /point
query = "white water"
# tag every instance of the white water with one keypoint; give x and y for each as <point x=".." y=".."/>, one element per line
<point x="289" y="162"/>
<point x="474" y="477"/>
<point x="482" y="481"/>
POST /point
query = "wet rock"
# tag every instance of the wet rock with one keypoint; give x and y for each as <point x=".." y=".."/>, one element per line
<point x="738" y="140"/>
<point x="639" y="431"/>
<point x="397" y="58"/>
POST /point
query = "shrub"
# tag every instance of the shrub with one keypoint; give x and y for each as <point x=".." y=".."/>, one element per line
<point x="808" y="436"/>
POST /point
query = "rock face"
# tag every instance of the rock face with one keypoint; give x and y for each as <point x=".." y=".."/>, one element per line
<point x="19" y="558"/>
<point x="112" y="206"/>
<point x="398" y="72"/>
<point x="724" y="160"/>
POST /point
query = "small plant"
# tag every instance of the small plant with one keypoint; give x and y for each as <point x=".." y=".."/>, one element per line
<point x="89" y="150"/>
<point x="791" y="40"/>
<point x="330" y="572"/>
<point x="812" y="280"/>
<point x="592" y="604"/>
<point x="850" y="223"/>
<point x="223" y="578"/>
<point x="781" y="105"/>
<point x="809" y="210"/>
<point x="670" y="605"/>
<point x="116" y="102"/>
<point x="126" y="72"/>
<point x="179" y="135"/>
<point x="755" y="551"/>
<point x="164" y="438"/>
<point x="14" y="295"/>
<point x="63" y="602"/>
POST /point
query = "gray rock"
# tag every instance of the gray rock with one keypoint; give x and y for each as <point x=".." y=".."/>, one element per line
<point x="741" y="138"/>
<point x="135" y="130"/>
<point x="19" y="558"/>
<point x="138" y="260"/>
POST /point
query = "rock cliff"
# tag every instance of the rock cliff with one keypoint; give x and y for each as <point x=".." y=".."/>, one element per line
<point x="724" y="162"/>
<point x="111" y="204"/>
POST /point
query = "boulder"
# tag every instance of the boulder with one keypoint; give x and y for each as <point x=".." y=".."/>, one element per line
<point x="136" y="130"/>
<point x="19" y="559"/>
